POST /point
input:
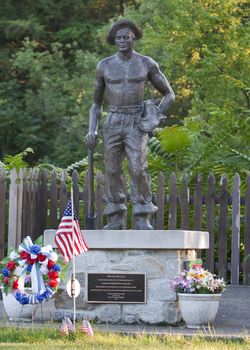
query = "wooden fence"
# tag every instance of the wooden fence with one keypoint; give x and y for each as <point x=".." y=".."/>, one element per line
<point x="33" y="200"/>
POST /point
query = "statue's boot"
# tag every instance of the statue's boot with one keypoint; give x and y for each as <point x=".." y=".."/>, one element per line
<point x="115" y="221"/>
<point x="142" y="222"/>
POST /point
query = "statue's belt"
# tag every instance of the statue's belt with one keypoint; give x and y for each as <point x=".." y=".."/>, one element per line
<point x="149" y="115"/>
<point x="126" y="109"/>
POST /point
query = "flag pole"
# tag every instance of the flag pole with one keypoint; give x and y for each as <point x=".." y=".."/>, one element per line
<point x="73" y="276"/>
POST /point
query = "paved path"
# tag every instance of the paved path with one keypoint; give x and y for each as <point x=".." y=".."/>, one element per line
<point x="217" y="331"/>
<point x="233" y="319"/>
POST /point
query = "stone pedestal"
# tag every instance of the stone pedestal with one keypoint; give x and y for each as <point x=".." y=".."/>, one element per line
<point x="158" y="254"/>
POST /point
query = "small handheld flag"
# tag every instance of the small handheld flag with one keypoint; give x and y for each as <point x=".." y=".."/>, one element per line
<point x="64" y="328"/>
<point x="64" y="237"/>
<point x="69" y="324"/>
<point x="86" y="327"/>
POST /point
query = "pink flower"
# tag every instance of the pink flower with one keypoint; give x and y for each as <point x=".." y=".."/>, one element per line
<point x="196" y="266"/>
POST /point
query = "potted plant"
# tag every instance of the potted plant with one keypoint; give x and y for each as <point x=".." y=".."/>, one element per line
<point x="199" y="293"/>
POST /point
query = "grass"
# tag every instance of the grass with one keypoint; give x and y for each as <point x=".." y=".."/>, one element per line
<point x="50" y="338"/>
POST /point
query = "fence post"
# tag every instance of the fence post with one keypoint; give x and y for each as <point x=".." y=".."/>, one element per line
<point x="197" y="204"/>
<point x="2" y="211"/>
<point x="12" y="229"/>
<point x="246" y="264"/>
<point x="63" y="193"/>
<point x="85" y="198"/>
<point x="235" y="260"/>
<point x="42" y="202"/>
<point x="29" y="195"/>
<point x="198" y="208"/>
<point x="210" y="221"/>
<point x="24" y="206"/>
<point x="185" y="204"/>
<point x="34" y="203"/>
<point x="53" y="201"/>
<point x="160" y="201"/>
<point x="222" y="239"/>
<point x="172" y="208"/>
<point x="19" y="208"/>
<point x="75" y="179"/>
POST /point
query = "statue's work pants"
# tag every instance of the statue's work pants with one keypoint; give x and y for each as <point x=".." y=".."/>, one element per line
<point x="122" y="138"/>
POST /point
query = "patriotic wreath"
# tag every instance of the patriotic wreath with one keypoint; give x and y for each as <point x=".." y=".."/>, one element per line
<point x="31" y="266"/>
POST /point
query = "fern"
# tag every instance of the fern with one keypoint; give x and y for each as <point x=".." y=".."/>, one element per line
<point x="17" y="161"/>
<point x="217" y="144"/>
<point x="155" y="148"/>
<point x="81" y="163"/>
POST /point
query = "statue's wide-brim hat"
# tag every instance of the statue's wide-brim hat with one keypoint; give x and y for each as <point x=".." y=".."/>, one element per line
<point x="123" y="23"/>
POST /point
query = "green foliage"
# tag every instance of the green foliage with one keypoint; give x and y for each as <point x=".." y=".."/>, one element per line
<point x="16" y="161"/>
<point x="39" y="240"/>
<point x="48" y="58"/>
<point x="218" y="144"/>
<point x="174" y="139"/>
<point x="55" y="102"/>
<point x="203" y="49"/>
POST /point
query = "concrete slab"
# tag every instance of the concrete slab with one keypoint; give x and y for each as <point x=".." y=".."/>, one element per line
<point x="234" y="308"/>
<point x="215" y="332"/>
<point x="138" y="239"/>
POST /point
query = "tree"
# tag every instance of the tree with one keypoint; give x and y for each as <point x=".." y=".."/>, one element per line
<point x="202" y="46"/>
<point x="47" y="73"/>
<point x="49" y="109"/>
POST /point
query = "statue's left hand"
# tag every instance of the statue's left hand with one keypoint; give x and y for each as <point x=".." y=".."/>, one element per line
<point x="91" y="139"/>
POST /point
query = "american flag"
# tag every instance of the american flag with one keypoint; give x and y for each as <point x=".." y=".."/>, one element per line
<point x="69" y="324"/>
<point x="64" y="328"/>
<point x="86" y="327"/>
<point x="64" y="235"/>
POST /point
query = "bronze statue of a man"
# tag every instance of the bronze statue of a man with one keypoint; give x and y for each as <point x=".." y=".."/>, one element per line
<point x="123" y="78"/>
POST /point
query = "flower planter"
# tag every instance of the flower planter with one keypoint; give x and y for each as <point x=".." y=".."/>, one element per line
<point x="16" y="311"/>
<point x="199" y="310"/>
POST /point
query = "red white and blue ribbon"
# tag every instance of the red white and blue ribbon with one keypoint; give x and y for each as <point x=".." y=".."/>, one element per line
<point x="37" y="268"/>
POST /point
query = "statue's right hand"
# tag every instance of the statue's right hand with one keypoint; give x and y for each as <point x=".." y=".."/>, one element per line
<point x="91" y="139"/>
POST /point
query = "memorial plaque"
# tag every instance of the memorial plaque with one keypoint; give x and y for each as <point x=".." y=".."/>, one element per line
<point x="116" y="288"/>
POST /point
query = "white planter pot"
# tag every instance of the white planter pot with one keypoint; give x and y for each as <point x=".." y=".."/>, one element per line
<point x="199" y="310"/>
<point x="16" y="311"/>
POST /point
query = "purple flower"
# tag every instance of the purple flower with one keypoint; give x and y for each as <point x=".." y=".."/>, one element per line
<point x="27" y="282"/>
